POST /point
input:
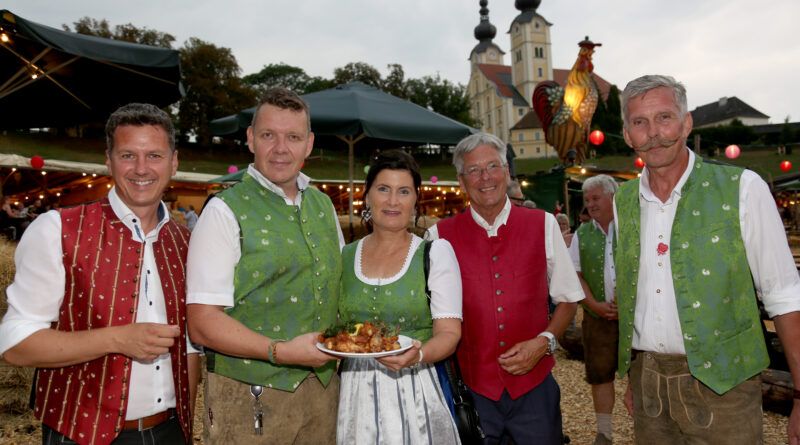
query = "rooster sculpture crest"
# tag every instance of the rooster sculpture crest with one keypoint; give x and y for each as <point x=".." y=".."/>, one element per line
<point x="566" y="112"/>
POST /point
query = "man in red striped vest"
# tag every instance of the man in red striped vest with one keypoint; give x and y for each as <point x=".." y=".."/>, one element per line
<point x="513" y="262"/>
<point x="98" y="302"/>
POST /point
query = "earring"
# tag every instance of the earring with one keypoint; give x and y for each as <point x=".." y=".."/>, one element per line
<point x="366" y="214"/>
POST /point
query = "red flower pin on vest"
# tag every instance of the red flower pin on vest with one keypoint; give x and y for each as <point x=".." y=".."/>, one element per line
<point x="662" y="249"/>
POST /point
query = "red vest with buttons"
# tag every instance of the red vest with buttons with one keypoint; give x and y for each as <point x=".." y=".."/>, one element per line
<point x="505" y="299"/>
<point x="87" y="402"/>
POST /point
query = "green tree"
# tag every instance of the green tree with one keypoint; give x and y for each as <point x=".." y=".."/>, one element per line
<point x="126" y="33"/>
<point x="395" y="82"/>
<point x="278" y="75"/>
<point x="213" y="88"/>
<point x="358" y="71"/>
<point x="441" y="96"/>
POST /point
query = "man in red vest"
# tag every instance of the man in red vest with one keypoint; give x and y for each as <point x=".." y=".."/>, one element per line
<point x="98" y="302"/>
<point x="513" y="260"/>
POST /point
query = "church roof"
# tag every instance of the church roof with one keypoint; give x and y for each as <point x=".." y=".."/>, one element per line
<point x="526" y="17"/>
<point x="722" y="110"/>
<point x="530" y="120"/>
<point x="484" y="45"/>
<point x="500" y="76"/>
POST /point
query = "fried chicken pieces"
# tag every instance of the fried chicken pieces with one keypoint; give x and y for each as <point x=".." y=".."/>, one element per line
<point x="360" y="338"/>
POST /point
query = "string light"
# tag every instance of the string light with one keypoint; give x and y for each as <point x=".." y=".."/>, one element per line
<point x="4" y="38"/>
<point x="41" y="196"/>
<point x="90" y="185"/>
<point x="44" y="173"/>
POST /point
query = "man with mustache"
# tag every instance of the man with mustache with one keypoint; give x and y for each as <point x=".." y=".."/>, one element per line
<point x="696" y="243"/>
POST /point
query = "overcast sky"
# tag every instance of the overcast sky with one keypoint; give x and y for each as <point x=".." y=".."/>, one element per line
<point x="716" y="48"/>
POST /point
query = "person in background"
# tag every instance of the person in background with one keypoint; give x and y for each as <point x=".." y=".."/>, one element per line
<point x="513" y="261"/>
<point x="398" y="399"/>
<point x="697" y="242"/>
<point x="592" y="253"/>
<point x="97" y="302"/>
<point x="263" y="276"/>
<point x="514" y="192"/>
<point x="191" y="218"/>
<point x="563" y="225"/>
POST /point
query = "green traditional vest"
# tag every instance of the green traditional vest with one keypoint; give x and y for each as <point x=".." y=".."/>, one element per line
<point x="592" y="250"/>
<point x="287" y="280"/>
<point x="402" y="303"/>
<point x="713" y="286"/>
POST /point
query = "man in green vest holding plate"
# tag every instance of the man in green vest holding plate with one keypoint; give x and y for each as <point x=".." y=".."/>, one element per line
<point x="592" y="252"/>
<point x="697" y="242"/>
<point x="263" y="279"/>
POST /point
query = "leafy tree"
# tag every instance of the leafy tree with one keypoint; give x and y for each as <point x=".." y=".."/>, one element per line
<point x="213" y="88"/>
<point x="358" y="71"/>
<point x="441" y="96"/>
<point x="395" y="83"/>
<point x="127" y="32"/>
<point x="278" y="75"/>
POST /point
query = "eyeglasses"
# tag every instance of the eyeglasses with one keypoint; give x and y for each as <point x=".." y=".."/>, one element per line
<point x="476" y="172"/>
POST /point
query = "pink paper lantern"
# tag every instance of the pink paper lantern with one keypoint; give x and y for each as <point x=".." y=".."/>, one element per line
<point x="232" y="169"/>
<point x="732" y="151"/>
<point x="434" y="179"/>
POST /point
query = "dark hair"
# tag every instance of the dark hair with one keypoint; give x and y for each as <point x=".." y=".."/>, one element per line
<point x="139" y="115"/>
<point x="285" y="99"/>
<point x="393" y="160"/>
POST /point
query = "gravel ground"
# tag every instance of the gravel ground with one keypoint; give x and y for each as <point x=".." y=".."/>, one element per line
<point x="576" y="405"/>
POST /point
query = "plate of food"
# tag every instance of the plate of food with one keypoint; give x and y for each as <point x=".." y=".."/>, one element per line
<point x="363" y="340"/>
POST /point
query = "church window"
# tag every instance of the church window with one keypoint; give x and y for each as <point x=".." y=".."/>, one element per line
<point x="520" y="111"/>
<point x="518" y="55"/>
<point x="536" y="25"/>
<point x="537" y="135"/>
<point x="540" y="72"/>
<point x="538" y="150"/>
<point x="521" y="136"/>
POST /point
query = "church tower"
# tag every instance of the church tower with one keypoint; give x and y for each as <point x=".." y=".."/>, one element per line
<point x="531" y="60"/>
<point x="485" y="51"/>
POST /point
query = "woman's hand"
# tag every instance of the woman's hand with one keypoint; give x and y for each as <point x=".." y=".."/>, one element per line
<point x="407" y="359"/>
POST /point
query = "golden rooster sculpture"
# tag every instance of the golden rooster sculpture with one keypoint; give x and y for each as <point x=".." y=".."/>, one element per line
<point x="566" y="112"/>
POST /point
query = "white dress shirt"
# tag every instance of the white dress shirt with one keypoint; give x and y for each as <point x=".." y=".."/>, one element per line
<point x="561" y="277"/>
<point x="609" y="275"/>
<point x="35" y="296"/>
<point x="214" y="249"/>
<point x="656" y="323"/>
<point x="444" y="278"/>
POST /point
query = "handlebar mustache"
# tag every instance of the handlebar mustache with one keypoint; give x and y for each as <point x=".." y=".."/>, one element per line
<point x="655" y="142"/>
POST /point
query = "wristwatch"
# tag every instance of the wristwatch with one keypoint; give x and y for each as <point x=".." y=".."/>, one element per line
<point x="551" y="341"/>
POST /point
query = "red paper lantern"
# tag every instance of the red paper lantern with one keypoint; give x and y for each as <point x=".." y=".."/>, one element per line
<point x="37" y="162"/>
<point x="597" y="137"/>
<point x="639" y="163"/>
<point x="786" y="166"/>
<point x="732" y="151"/>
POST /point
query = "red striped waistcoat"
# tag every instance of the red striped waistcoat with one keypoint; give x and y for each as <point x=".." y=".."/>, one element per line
<point x="87" y="402"/>
<point x="505" y="297"/>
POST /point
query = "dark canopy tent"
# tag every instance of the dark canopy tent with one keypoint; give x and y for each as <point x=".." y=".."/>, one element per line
<point x="355" y="111"/>
<point x="50" y="77"/>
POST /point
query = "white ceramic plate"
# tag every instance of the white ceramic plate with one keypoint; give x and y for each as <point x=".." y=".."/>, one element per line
<point x="405" y="345"/>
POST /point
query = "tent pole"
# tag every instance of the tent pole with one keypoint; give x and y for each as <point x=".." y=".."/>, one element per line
<point x="351" y="142"/>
